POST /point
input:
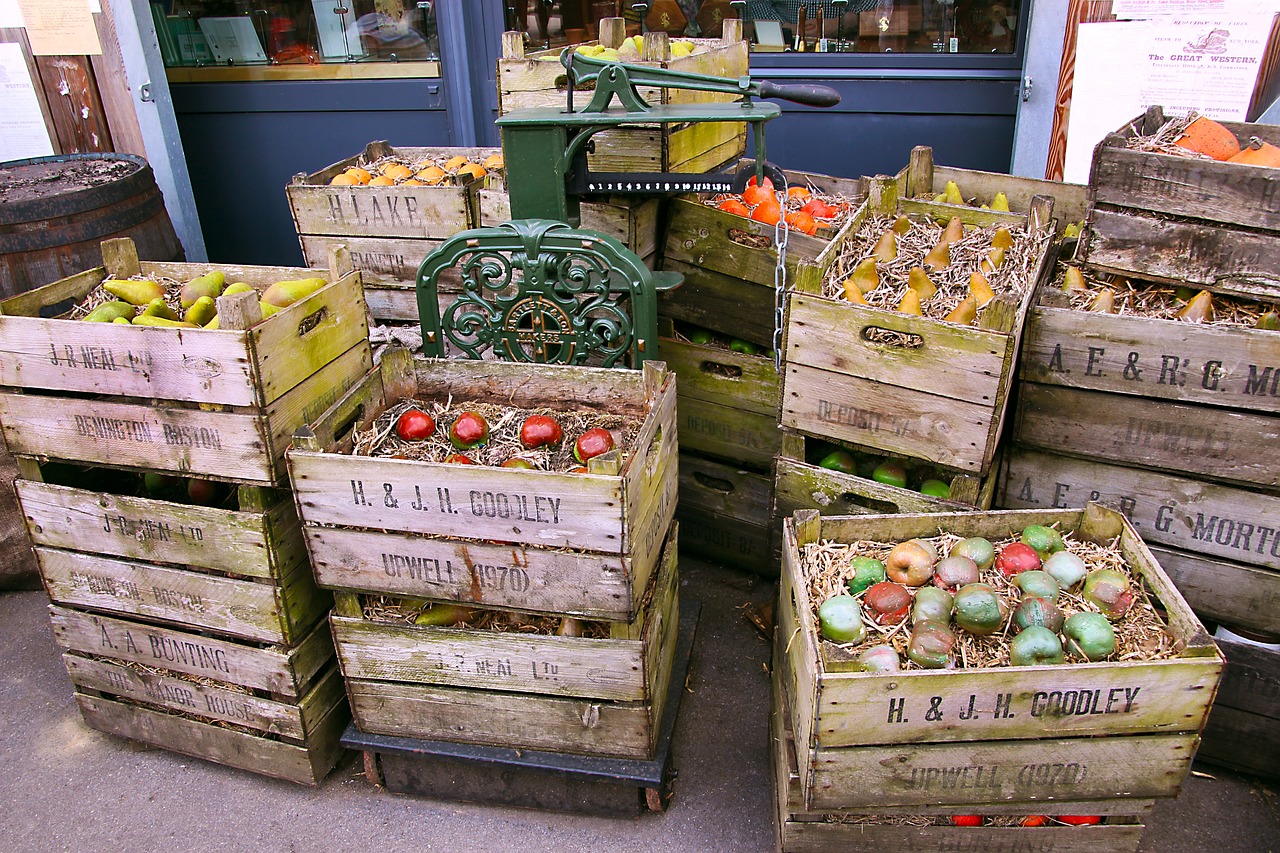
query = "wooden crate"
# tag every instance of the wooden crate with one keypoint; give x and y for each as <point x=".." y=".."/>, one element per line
<point x="729" y="262"/>
<point x="799" y="830"/>
<point x="1184" y="220"/>
<point x="724" y="514"/>
<point x="570" y="543"/>
<point x="950" y="737"/>
<point x="274" y="710"/>
<point x="1168" y="360"/>
<point x="943" y="401"/>
<point x="727" y="402"/>
<point x="512" y="689"/>
<point x="1243" y="731"/>
<point x="538" y="80"/>
<point x="221" y="403"/>
<point x="1224" y="590"/>
<point x="241" y="573"/>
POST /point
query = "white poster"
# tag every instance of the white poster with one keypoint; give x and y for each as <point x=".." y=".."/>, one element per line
<point x="1209" y="65"/>
<point x="1105" y="54"/>
<point x="22" y="130"/>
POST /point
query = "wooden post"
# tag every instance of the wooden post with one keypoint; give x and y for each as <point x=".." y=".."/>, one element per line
<point x="613" y="31"/>
<point x="513" y="45"/>
<point x="920" y="172"/>
<point x="657" y="47"/>
<point x="120" y="257"/>
<point x="239" y="311"/>
<point x="731" y="30"/>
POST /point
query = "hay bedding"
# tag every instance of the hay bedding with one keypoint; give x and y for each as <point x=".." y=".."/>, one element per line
<point x="172" y="289"/>
<point x="1140" y="635"/>
<point x="1160" y="301"/>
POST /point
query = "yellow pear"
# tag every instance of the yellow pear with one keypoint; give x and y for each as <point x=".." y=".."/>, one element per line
<point x="952" y="193"/>
<point x="125" y="320"/>
<point x="1002" y="239"/>
<point x="940" y="198"/>
<point x="282" y="294"/>
<point x="886" y="247"/>
<point x="238" y="287"/>
<point x="964" y="313"/>
<point x="1073" y="280"/>
<point x="1071" y="231"/>
<point x="953" y="232"/>
<point x="201" y="311"/>
<point x="445" y="614"/>
<point x="137" y="293"/>
<point x="980" y="289"/>
<point x="209" y="284"/>
<point x="993" y="261"/>
<point x="1198" y="310"/>
<point x="1104" y="302"/>
<point x="864" y="276"/>
<point x="852" y="293"/>
<point x="910" y="303"/>
<point x="901" y="225"/>
<point x="1000" y="202"/>
<point x="919" y="281"/>
<point x="159" y="308"/>
<point x="1269" y="322"/>
<point x="214" y="324"/>
<point x="162" y="322"/>
<point x="939" y="256"/>
<point x="108" y="312"/>
<point x="268" y="309"/>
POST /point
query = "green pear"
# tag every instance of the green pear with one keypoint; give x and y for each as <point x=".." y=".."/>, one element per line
<point x="134" y="292"/>
<point x="201" y="311"/>
<point x="282" y="294"/>
<point x="209" y="284"/>
<point x="159" y="308"/>
<point x="238" y="287"/>
<point x="108" y="311"/>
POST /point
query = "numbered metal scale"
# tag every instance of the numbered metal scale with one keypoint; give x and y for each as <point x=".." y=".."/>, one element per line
<point x="545" y="152"/>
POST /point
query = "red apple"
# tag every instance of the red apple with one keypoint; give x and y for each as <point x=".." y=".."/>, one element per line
<point x="518" y="462"/>
<point x="415" y="425"/>
<point x="1017" y="558"/>
<point x="592" y="443"/>
<point x="887" y="602"/>
<point x="204" y="492"/>
<point x="468" y="431"/>
<point x="458" y="459"/>
<point x="540" y="430"/>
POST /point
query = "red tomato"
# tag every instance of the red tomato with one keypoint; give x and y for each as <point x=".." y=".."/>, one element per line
<point x="458" y="459"/>
<point x="768" y="213"/>
<point x="592" y="443"/>
<point x="768" y="182"/>
<point x="966" y="820"/>
<point x="734" y="206"/>
<point x="819" y="209"/>
<point x="1079" y="820"/>
<point x="415" y="425"/>
<point x="754" y="195"/>
<point x="798" y="192"/>
<point x="802" y="222"/>
<point x="1017" y="558"/>
<point x="1035" y="820"/>
<point x="539" y="430"/>
<point x="468" y="431"/>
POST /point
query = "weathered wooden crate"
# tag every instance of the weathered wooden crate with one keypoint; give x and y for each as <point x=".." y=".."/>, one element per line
<point x="1217" y="542"/>
<point x="947" y="738"/>
<point x="1168" y="360"/>
<point x="1243" y="731"/>
<point x="799" y="830"/>
<point x="565" y="543"/>
<point x="1184" y="219"/>
<point x="513" y="689"/>
<point x="727" y="402"/>
<point x="240" y="573"/>
<point x="271" y="710"/>
<point x="222" y="403"/>
<point x="538" y="80"/>
<point x="729" y="262"/>
<point x="1182" y="439"/>
<point x="922" y="179"/>
<point x="943" y="401"/>
<point x="724" y="514"/>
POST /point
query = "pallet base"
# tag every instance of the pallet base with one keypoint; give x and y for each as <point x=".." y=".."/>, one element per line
<point x="608" y="787"/>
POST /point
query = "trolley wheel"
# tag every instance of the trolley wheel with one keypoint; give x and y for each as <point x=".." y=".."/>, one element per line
<point x="654" y="800"/>
<point x="372" y="773"/>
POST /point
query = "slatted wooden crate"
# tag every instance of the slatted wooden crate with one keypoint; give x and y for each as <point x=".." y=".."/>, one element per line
<point x="727" y="401"/>
<point x="581" y="695"/>
<point x="1184" y="220"/>
<point x="1244" y="726"/>
<point x="942" y="401"/>
<point x="947" y="738"/>
<point x="538" y="80"/>
<point x="724" y="514"/>
<point x="799" y="830"/>
<point x="1220" y="543"/>
<point x="273" y="710"/>
<point x="222" y="403"/>
<point x="240" y="573"/>
<point x="729" y="262"/>
<point x="568" y="543"/>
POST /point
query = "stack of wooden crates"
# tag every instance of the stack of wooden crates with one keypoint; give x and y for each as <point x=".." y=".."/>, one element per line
<point x="1176" y="423"/>
<point x="196" y="628"/>
<point x="533" y="545"/>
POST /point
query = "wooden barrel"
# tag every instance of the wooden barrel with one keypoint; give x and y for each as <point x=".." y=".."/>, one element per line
<point x="55" y="212"/>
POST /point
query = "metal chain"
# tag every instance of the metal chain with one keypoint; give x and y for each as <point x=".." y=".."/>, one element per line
<point x="780" y="233"/>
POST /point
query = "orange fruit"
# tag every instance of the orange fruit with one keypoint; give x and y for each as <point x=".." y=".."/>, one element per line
<point x="381" y="181"/>
<point x="412" y="182"/>
<point x="456" y="163"/>
<point x="819" y="209"/>
<point x="473" y="169"/>
<point x="1258" y="153"/>
<point x="431" y="175"/>
<point x="1208" y="137"/>
<point x="798" y="192"/>
<point x="360" y="176"/>
<point x="769" y="214"/>
<point x="802" y="221"/>
<point x="343" y="180"/>
<point x="494" y="161"/>
<point x="754" y="195"/>
<point x="734" y="206"/>
<point x="397" y="171"/>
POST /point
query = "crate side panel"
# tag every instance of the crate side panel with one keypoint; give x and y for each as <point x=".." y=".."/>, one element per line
<point x="399" y="211"/>
<point x="1223" y="591"/>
